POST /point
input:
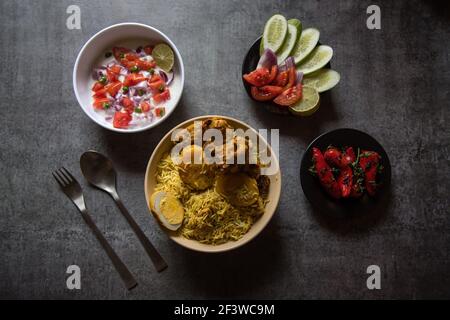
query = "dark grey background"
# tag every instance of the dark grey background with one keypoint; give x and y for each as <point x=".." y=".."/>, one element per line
<point x="395" y="86"/>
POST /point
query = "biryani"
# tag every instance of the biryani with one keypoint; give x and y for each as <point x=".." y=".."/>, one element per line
<point x="209" y="203"/>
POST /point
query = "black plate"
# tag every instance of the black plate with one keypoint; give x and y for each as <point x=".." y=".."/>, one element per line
<point x="250" y="63"/>
<point x="344" y="207"/>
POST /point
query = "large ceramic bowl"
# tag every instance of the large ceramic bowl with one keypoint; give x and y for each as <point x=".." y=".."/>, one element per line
<point x="165" y="145"/>
<point x="128" y="35"/>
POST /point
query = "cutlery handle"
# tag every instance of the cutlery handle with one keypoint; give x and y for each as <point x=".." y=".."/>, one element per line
<point x="121" y="268"/>
<point x="154" y="255"/>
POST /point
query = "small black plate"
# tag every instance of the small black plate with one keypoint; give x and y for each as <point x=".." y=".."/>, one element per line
<point x="250" y="63"/>
<point x="344" y="207"/>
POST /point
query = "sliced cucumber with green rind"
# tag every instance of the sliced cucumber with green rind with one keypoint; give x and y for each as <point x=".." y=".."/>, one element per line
<point x="322" y="80"/>
<point x="316" y="60"/>
<point x="275" y="32"/>
<point x="305" y="44"/>
<point x="288" y="45"/>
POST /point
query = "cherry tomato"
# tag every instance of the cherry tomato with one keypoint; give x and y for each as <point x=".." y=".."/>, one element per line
<point x="121" y="119"/>
<point x="119" y="52"/>
<point x="258" y="78"/>
<point x="145" y="106"/>
<point x="148" y="49"/>
<point x="163" y="96"/>
<point x="265" y="93"/>
<point x="290" y="96"/>
<point x="100" y="103"/>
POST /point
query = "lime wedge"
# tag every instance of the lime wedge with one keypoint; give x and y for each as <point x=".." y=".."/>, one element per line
<point x="275" y="32"/>
<point x="307" y="42"/>
<point x="289" y="43"/>
<point x="163" y="56"/>
<point x="316" y="60"/>
<point x="308" y="104"/>
<point x="322" y="80"/>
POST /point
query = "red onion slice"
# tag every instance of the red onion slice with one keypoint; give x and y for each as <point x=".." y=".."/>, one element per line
<point x="267" y="60"/>
<point x="299" y="77"/>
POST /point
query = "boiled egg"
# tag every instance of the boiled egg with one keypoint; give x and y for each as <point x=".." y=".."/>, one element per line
<point x="168" y="209"/>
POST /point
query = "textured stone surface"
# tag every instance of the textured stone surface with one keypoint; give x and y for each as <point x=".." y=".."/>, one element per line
<point x="395" y="86"/>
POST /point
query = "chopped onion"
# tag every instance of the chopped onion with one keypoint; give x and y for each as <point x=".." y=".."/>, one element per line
<point x="267" y="60"/>
<point x="97" y="73"/>
<point x="140" y="85"/>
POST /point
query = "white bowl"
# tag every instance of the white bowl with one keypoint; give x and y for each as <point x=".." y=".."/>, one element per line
<point x="123" y="34"/>
<point x="166" y="144"/>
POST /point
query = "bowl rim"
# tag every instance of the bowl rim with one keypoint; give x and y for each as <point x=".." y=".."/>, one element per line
<point x="213" y="249"/>
<point x="91" y="40"/>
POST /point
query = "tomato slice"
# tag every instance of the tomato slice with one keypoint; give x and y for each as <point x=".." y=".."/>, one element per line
<point x="121" y="119"/>
<point x="97" y="86"/>
<point x="273" y="74"/>
<point x="163" y="96"/>
<point x="113" y="88"/>
<point x="290" y="96"/>
<point x="148" y="49"/>
<point x="292" y="78"/>
<point x="265" y="93"/>
<point x="119" y="52"/>
<point x="100" y="103"/>
<point x="281" y="79"/>
<point x="145" y="106"/>
<point x="258" y="78"/>
<point x="145" y="65"/>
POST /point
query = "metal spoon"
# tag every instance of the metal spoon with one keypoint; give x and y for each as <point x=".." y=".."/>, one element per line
<point x="99" y="171"/>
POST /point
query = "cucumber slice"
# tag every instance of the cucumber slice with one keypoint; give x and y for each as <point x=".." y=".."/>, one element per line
<point x="294" y="22"/>
<point x="322" y="80"/>
<point x="288" y="45"/>
<point x="316" y="60"/>
<point x="275" y="32"/>
<point x="309" y="103"/>
<point x="307" y="42"/>
<point x="261" y="47"/>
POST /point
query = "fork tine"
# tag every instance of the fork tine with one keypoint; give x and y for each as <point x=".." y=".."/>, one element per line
<point x="62" y="177"/>
<point x="66" y="174"/>
<point x="57" y="179"/>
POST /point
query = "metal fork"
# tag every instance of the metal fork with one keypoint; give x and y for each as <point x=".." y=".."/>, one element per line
<point x="72" y="189"/>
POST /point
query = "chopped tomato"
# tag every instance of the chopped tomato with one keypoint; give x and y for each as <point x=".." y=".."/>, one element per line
<point x="290" y="96"/>
<point x="100" y="103"/>
<point x="133" y="79"/>
<point x="121" y="119"/>
<point x="119" y="52"/>
<point x="115" y="69"/>
<point x="145" y="106"/>
<point x="148" y="49"/>
<point x="265" y="93"/>
<point x="128" y="64"/>
<point x="131" y="56"/>
<point x="163" y="96"/>
<point x="273" y="74"/>
<point x="159" y="112"/>
<point x="258" y="78"/>
<point x="111" y="76"/>
<point x="154" y="78"/>
<point x="101" y="93"/>
<point x="157" y="86"/>
<point x="145" y="65"/>
<point x="113" y="88"/>
<point x="128" y="104"/>
<point x="281" y="79"/>
<point x="97" y="86"/>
